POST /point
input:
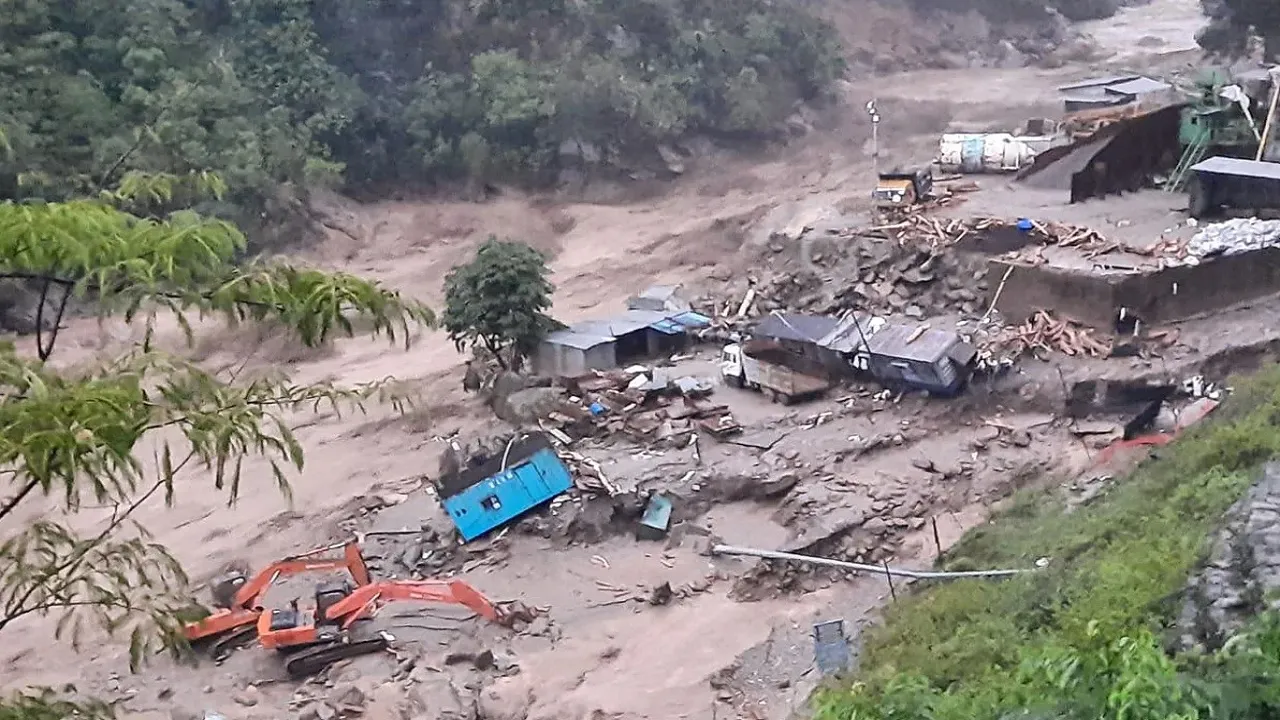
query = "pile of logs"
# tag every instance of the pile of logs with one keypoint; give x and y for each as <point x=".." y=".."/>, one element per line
<point x="1043" y="333"/>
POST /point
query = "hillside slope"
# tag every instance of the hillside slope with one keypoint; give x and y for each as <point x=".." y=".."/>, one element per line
<point x="374" y="97"/>
<point x="1085" y="635"/>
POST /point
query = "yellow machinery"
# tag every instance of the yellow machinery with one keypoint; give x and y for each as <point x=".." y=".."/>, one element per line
<point x="902" y="189"/>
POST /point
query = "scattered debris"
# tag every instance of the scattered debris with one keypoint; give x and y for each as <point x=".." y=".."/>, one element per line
<point x="1043" y="334"/>
<point x="1198" y="387"/>
<point x="656" y="519"/>
<point x="642" y="404"/>
<point x="661" y="594"/>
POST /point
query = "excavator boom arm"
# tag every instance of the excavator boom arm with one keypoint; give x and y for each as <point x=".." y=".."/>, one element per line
<point x="249" y="594"/>
<point x="452" y="592"/>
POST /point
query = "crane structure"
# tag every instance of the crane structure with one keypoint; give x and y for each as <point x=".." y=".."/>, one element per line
<point x="238" y="598"/>
<point x="313" y="639"/>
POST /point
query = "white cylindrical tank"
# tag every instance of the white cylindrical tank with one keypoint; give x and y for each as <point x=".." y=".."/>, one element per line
<point x="983" y="153"/>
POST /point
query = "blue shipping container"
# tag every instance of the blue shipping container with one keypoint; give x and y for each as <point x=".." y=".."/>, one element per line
<point x="503" y="496"/>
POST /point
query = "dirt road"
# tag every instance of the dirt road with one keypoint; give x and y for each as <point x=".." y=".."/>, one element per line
<point x="627" y="660"/>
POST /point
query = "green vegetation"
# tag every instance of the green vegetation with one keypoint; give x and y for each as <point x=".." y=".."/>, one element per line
<point x="1082" y="637"/>
<point x="86" y="440"/>
<point x="375" y="95"/>
<point x="499" y="301"/>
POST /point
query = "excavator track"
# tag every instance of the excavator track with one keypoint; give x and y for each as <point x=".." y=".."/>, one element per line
<point x="233" y="640"/>
<point x="313" y="660"/>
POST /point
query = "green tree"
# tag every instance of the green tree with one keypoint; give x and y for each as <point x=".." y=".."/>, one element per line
<point x="374" y="95"/>
<point x="499" y="299"/>
<point x="135" y="429"/>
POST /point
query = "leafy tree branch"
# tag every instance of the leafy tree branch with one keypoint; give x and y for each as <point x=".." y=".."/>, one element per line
<point x="82" y="436"/>
<point x="94" y="250"/>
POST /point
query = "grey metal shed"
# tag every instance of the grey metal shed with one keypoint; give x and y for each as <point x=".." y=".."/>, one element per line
<point x="572" y="353"/>
<point x="794" y="327"/>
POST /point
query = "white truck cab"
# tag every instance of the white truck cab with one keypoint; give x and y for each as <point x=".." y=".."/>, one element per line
<point x="731" y="366"/>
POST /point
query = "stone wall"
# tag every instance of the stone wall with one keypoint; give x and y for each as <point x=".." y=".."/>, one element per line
<point x="1243" y="572"/>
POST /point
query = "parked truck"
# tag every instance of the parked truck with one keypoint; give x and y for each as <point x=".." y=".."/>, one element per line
<point x="766" y="367"/>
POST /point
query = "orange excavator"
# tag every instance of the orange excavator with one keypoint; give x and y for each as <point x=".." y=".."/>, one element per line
<point x="312" y="640"/>
<point x="239" y="599"/>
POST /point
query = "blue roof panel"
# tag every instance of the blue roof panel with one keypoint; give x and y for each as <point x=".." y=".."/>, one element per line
<point x="689" y="318"/>
<point x="668" y="327"/>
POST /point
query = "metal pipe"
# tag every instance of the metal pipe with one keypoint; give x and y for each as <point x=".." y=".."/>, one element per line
<point x="1271" y="114"/>
<point x="860" y="567"/>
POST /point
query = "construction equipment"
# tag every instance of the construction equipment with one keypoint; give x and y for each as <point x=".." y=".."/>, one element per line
<point x="331" y="631"/>
<point x="238" y="599"/>
<point x="1192" y="154"/>
<point x="902" y="189"/>
<point x="1220" y="120"/>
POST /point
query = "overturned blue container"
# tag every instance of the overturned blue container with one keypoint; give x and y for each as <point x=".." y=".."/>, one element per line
<point x="501" y="489"/>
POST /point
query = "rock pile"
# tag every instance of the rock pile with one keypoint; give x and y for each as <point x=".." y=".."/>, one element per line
<point x="916" y="267"/>
<point x="1235" y="236"/>
<point x="906" y="268"/>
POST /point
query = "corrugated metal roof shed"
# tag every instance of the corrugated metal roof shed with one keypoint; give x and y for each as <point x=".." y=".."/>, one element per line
<point x="576" y="340"/>
<point x="635" y="320"/>
<point x="846" y="336"/>
<point x="795" y="327"/>
<point x="692" y="319"/>
<point x="1099" y="99"/>
<point x="622" y="324"/>
<point x="1239" y="167"/>
<point x="663" y="298"/>
<point x="1097" y="82"/>
<point x="931" y="346"/>
<point x="1138" y="86"/>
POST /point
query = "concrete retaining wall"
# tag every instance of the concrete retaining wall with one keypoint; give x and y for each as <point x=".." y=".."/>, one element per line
<point x="1158" y="297"/>
<point x="1088" y="299"/>
<point x="1177" y="293"/>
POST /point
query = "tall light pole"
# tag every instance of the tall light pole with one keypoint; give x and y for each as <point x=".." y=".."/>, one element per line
<point x="875" y="136"/>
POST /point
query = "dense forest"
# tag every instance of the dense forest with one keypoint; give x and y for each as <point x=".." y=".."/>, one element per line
<point x="373" y="94"/>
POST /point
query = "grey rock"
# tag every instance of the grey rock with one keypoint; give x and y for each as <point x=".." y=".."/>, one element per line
<point x="347" y="695"/>
<point x="466" y="650"/>
<point x="247" y="697"/>
<point x="1235" y="236"/>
